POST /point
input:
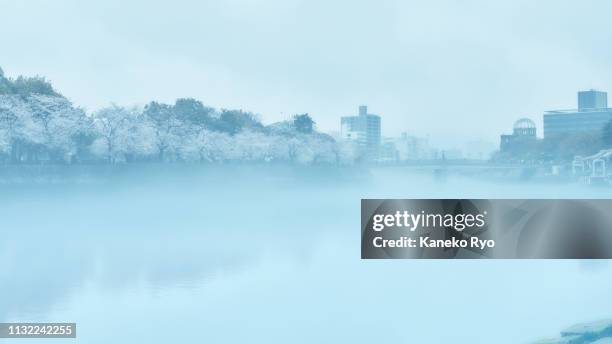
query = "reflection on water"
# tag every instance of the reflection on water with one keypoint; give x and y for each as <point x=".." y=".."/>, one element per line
<point x="267" y="256"/>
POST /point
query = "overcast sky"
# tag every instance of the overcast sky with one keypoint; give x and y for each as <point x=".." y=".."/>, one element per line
<point x="456" y="70"/>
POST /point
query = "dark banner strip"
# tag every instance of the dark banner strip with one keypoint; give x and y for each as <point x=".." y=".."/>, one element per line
<point x="481" y="228"/>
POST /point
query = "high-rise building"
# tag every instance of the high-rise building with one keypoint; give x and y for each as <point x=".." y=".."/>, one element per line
<point x="364" y="130"/>
<point x="591" y="116"/>
<point x="592" y="99"/>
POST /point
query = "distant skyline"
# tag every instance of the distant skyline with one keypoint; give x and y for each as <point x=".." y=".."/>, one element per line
<point x="456" y="71"/>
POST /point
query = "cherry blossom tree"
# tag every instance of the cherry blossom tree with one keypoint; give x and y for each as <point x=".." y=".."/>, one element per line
<point x="58" y="122"/>
<point x="165" y="128"/>
<point x="113" y="127"/>
<point x="15" y="125"/>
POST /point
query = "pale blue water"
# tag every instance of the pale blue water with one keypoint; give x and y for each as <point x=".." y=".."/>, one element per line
<point x="271" y="257"/>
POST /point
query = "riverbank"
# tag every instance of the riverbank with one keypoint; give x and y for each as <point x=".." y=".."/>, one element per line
<point x="599" y="332"/>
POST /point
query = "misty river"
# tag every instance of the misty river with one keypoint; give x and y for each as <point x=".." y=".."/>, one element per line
<point x="270" y="255"/>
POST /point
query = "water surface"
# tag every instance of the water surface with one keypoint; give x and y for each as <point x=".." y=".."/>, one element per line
<point x="264" y="255"/>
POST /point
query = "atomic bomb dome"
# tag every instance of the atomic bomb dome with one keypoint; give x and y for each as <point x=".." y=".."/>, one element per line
<point x="524" y="123"/>
<point x="523" y="136"/>
<point x="524" y="127"/>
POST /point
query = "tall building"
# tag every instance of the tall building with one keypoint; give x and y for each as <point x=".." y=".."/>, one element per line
<point x="364" y="130"/>
<point x="592" y="99"/>
<point x="591" y="116"/>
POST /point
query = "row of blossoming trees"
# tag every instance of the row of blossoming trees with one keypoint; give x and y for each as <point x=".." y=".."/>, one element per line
<point x="38" y="125"/>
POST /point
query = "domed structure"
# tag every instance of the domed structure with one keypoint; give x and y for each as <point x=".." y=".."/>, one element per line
<point x="522" y="138"/>
<point x="524" y="127"/>
<point x="524" y="123"/>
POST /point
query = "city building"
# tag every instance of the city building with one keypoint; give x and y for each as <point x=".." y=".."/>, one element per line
<point x="388" y="151"/>
<point x="364" y="130"/>
<point x="523" y="136"/>
<point x="591" y="116"/>
<point x="412" y="147"/>
<point x="592" y="99"/>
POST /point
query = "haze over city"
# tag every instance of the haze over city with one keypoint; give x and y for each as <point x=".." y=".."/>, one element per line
<point x="456" y="72"/>
<point x="306" y="171"/>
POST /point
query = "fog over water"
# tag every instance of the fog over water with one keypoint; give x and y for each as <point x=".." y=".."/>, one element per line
<point x="270" y="255"/>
